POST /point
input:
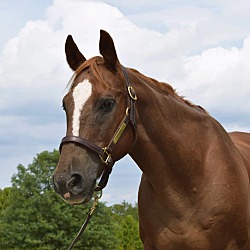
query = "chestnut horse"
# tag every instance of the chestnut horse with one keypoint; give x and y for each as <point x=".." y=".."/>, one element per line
<point x="194" y="190"/>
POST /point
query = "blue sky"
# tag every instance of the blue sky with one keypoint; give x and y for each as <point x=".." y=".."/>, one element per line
<point x="202" y="49"/>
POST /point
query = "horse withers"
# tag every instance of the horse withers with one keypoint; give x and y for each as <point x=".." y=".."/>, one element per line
<point x="194" y="190"/>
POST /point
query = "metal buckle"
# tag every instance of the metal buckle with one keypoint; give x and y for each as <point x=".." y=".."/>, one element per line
<point x="132" y="93"/>
<point x="105" y="157"/>
<point x="97" y="198"/>
<point x="127" y="110"/>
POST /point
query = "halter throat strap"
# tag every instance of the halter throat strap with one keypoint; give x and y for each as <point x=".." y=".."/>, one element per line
<point x="105" y="153"/>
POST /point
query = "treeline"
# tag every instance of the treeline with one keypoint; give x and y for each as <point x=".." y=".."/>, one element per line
<point x="32" y="216"/>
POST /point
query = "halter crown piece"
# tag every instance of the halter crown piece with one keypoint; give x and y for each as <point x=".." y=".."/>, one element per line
<point x="105" y="153"/>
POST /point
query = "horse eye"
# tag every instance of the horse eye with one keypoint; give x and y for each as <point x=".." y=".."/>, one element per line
<point x="108" y="105"/>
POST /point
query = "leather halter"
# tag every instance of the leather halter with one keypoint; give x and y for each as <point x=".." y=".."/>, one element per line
<point x="105" y="153"/>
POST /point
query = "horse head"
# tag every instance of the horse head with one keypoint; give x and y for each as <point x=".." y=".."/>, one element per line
<point x="98" y="104"/>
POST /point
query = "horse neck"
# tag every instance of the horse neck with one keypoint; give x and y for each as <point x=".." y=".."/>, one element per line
<point x="170" y="144"/>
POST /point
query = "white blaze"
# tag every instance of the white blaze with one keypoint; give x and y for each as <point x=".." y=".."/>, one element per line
<point x="81" y="94"/>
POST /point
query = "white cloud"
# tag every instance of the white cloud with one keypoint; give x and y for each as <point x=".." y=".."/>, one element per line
<point x="236" y="127"/>
<point x="202" y="49"/>
<point x="219" y="78"/>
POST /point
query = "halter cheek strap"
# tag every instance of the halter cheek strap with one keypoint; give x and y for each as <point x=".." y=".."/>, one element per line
<point x="105" y="153"/>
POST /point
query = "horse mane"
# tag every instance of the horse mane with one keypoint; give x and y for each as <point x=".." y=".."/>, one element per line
<point x="165" y="88"/>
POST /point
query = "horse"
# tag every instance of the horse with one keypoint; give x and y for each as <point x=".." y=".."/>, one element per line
<point x="194" y="189"/>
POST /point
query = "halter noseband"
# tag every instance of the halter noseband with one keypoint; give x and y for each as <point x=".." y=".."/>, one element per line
<point x="105" y="153"/>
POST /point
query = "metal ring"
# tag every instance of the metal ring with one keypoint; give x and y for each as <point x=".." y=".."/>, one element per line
<point x="132" y="93"/>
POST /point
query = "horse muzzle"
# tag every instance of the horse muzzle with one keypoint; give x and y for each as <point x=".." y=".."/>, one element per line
<point x="72" y="187"/>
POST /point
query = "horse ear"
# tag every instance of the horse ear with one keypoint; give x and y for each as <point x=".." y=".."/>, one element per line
<point x="107" y="50"/>
<point x="74" y="57"/>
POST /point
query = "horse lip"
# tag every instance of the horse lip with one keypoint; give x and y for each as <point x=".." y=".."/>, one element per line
<point x="69" y="196"/>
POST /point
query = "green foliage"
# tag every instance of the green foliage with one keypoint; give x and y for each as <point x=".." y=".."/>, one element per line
<point x="123" y="209"/>
<point x="129" y="234"/>
<point x="4" y="194"/>
<point x="32" y="216"/>
<point x="126" y="217"/>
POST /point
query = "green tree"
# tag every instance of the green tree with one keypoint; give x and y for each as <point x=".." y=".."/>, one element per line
<point x="123" y="209"/>
<point x="34" y="217"/>
<point x="126" y="218"/>
<point x="129" y="234"/>
<point x="4" y="194"/>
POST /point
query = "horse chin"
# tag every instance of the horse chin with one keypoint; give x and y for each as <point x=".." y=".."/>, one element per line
<point x="74" y="200"/>
<point x="88" y="198"/>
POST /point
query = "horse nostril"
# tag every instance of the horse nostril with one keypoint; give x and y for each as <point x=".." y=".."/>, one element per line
<point x="59" y="182"/>
<point x="75" y="183"/>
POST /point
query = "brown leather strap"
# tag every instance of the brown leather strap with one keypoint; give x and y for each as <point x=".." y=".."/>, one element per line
<point x="88" y="144"/>
<point x="104" y="179"/>
<point x="131" y="98"/>
<point x="125" y="121"/>
<point x="84" y="142"/>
